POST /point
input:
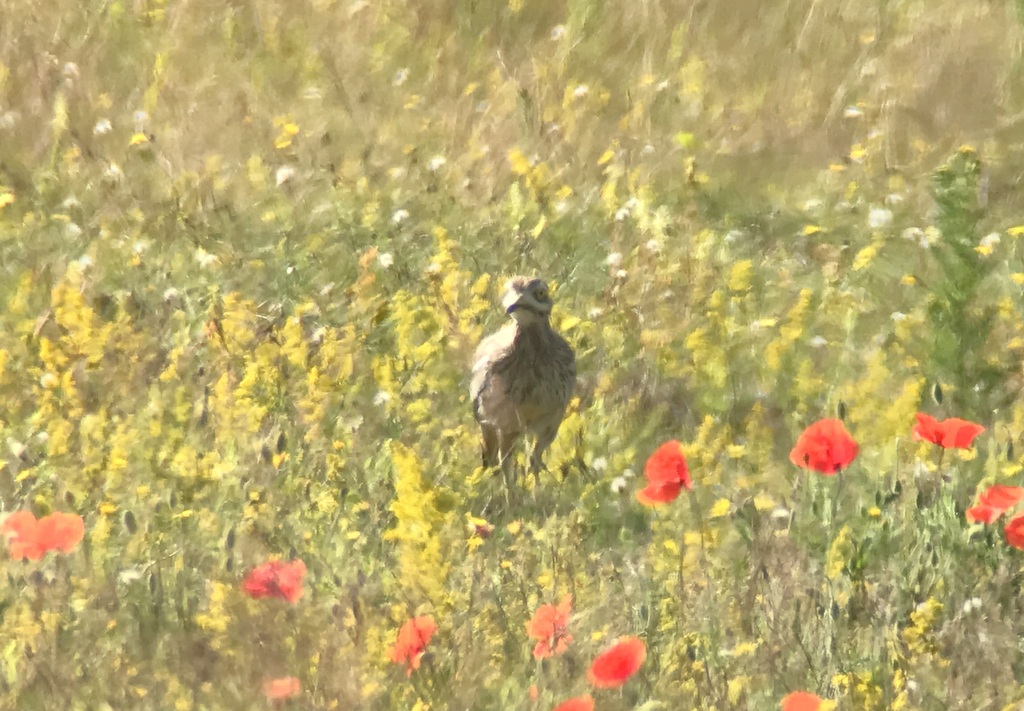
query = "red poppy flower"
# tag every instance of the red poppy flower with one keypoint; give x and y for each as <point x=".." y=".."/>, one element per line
<point x="667" y="475"/>
<point x="549" y="627"/>
<point x="281" y="689"/>
<point x="951" y="433"/>
<point x="579" y="703"/>
<point x="825" y="446"/>
<point x="1001" y="496"/>
<point x="32" y="539"/>
<point x="994" y="502"/>
<point x="1015" y="531"/>
<point x="615" y="665"/>
<point x="60" y="531"/>
<point x="801" y="701"/>
<point x="276" y="578"/>
<point x="412" y="640"/>
<point x="20" y="531"/>
<point x="983" y="514"/>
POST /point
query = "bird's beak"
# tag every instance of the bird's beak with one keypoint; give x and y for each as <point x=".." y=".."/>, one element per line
<point x="510" y="302"/>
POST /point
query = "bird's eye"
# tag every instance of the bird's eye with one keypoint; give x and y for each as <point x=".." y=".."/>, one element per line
<point x="541" y="294"/>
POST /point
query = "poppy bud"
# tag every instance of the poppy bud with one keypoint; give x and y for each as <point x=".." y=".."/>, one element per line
<point x="130" y="524"/>
<point x="937" y="393"/>
<point x="1009" y="449"/>
<point x="841" y="410"/>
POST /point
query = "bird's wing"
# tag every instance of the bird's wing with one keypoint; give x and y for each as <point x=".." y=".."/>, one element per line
<point x="487" y="353"/>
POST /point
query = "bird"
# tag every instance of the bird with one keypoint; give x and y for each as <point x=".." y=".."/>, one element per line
<point x="523" y="377"/>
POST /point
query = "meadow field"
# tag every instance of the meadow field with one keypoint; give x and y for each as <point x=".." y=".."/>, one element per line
<point x="247" y="249"/>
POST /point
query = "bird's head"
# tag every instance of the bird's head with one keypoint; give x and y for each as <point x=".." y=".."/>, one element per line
<point x="527" y="300"/>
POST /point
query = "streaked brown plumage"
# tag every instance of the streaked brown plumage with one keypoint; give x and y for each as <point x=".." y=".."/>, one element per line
<point x="523" y="376"/>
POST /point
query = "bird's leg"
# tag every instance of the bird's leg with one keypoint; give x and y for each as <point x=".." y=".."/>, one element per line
<point x="507" y="459"/>
<point x="490" y="446"/>
<point x="545" y="436"/>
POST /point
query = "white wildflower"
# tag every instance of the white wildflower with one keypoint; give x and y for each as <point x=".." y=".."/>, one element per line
<point x="102" y="127"/>
<point x="558" y="32"/>
<point x="129" y="576"/>
<point x="385" y="259"/>
<point x="113" y="173"/>
<point x="284" y="174"/>
<point x="619" y="484"/>
<point x="204" y="258"/>
<point x="972" y="604"/>
<point x="990" y="240"/>
<point x="70" y="73"/>
<point x="879" y="218"/>
<point x="930" y="237"/>
<point x="399" y="216"/>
